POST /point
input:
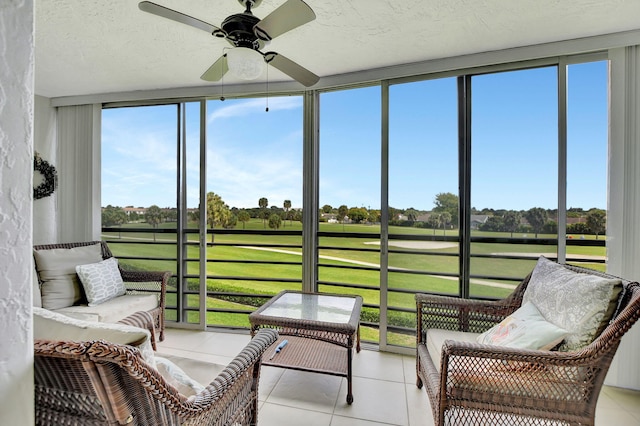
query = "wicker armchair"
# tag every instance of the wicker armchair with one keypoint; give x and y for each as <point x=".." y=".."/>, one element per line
<point x="485" y="384"/>
<point x="135" y="281"/>
<point x="102" y="383"/>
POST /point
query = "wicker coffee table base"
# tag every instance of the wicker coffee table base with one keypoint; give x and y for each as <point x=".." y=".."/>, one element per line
<point x="307" y="354"/>
<point x="320" y="329"/>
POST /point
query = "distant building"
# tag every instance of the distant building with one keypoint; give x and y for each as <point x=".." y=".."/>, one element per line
<point x="572" y="220"/>
<point x="478" y="220"/>
<point x="423" y="217"/>
<point x="134" y="212"/>
<point x="330" y="217"/>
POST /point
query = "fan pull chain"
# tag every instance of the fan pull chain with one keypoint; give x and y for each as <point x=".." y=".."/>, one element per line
<point x="267" y="109"/>
<point x="222" y="81"/>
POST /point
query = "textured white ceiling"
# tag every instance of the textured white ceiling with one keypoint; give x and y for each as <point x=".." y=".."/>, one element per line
<point x="97" y="46"/>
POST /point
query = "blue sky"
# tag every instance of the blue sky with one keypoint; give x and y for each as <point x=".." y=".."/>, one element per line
<point x="252" y="153"/>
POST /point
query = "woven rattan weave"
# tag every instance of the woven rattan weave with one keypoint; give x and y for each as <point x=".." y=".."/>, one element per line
<point x="101" y="383"/>
<point x="136" y="281"/>
<point x="492" y="385"/>
<point x="320" y="337"/>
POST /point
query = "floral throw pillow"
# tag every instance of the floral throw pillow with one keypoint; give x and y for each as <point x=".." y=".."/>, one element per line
<point x="101" y="281"/>
<point x="578" y="302"/>
<point x="524" y="329"/>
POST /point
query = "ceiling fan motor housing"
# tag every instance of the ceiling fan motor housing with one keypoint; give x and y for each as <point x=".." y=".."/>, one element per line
<point x="239" y="30"/>
<point x="251" y="3"/>
<point x="246" y="30"/>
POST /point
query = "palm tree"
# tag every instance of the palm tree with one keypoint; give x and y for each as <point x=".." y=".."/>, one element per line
<point x="434" y="221"/>
<point x="287" y="206"/>
<point x="412" y="214"/>
<point x="263" y="203"/>
<point x="218" y="212"/>
<point x="342" y="213"/>
<point x="153" y="216"/>
<point x="243" y="216"/>
<point x="445" y="217"/>
<point x="274" y="221"/>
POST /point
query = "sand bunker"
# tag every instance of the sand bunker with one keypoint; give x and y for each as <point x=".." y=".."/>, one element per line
<point x="417" y="244"/>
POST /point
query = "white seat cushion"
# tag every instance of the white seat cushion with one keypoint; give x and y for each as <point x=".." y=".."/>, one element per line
<point x="49" y="325"/>
<point x="436" y="337"/>
<point x="112" y="310"/>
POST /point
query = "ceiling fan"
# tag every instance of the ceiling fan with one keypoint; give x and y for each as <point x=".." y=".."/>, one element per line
<point x="248" y="35"/>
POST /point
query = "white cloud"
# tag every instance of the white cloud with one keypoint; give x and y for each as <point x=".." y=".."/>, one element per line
<point x="242" y="180"/>
<point x="241" y="108"/>
<point x="246" y="159"/>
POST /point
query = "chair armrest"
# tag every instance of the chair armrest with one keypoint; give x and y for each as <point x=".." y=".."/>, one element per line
<point x="453" y="348"/>
<point x="147" y="281"/>
<point x="249" y="358"/>
<point x="160" y="278"/>
<point x="142" y="319"/>
<point x="487" y="374"/>
<point x="456" y="314"/>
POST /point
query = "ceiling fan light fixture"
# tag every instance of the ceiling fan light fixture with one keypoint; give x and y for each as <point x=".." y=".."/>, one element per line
<point x="245" y="63"/>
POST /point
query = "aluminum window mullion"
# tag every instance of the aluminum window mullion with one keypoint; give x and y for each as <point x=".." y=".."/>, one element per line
<point x="384" y="214"/>
<point x="203" y="216"/>
<point x="310" y="192"/>
<point x="464" y="169"/>
<point x="562" y="160"/>
<point x="181" y="204"/>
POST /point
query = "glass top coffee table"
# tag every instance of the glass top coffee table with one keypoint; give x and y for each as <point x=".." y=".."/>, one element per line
<point x="320" y="330"/>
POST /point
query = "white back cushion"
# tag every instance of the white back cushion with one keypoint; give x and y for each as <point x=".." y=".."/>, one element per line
<point x="57" y="270"/>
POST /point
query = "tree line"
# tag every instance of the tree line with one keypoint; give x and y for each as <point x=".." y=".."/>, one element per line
<point x="443" y="216"/>
<point x="535" y="220"/>
<point x="219" y="214"/>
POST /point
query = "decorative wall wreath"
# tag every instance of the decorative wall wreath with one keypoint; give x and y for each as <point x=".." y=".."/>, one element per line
<point x="49" y="175"/>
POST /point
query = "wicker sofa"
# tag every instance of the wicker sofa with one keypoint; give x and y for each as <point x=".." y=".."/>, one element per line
<point x="145" y="290"/>
<point x="99" y="382"/>
<point x="477" y="383"/>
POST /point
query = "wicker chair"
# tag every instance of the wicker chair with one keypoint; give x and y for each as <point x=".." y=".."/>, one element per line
<point x="135" y="281"/>
<point x="485" y="384"/>
<point x="102" y="383"/>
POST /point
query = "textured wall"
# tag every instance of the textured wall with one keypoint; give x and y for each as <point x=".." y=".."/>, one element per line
<point x="16" y="175"/>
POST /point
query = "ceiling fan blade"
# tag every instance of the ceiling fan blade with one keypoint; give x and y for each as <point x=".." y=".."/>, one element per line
<point x="165" y="12"/>
<point x="290" y="68"/>
<point x="217" y="70"/>
<point x="288" y="16"/>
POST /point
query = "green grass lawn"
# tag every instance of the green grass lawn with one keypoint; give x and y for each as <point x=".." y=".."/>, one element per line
<point x="430" y="261"/>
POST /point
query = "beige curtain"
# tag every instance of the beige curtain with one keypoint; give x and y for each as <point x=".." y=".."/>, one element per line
<point x="78" y="198"/>
<point x="623" y="218"/>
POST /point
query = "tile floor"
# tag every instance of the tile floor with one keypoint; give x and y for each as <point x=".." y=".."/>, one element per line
<point x="383" y="387"/>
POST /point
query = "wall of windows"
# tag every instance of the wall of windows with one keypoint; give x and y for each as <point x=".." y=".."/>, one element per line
<point x="451" y="184"/>
<point x="254" y="235"/>
<point x="139" y="189"/>
<point x="349" y="199"/>
<point x="422" y="245"/>
<point x="514" y="174"/>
